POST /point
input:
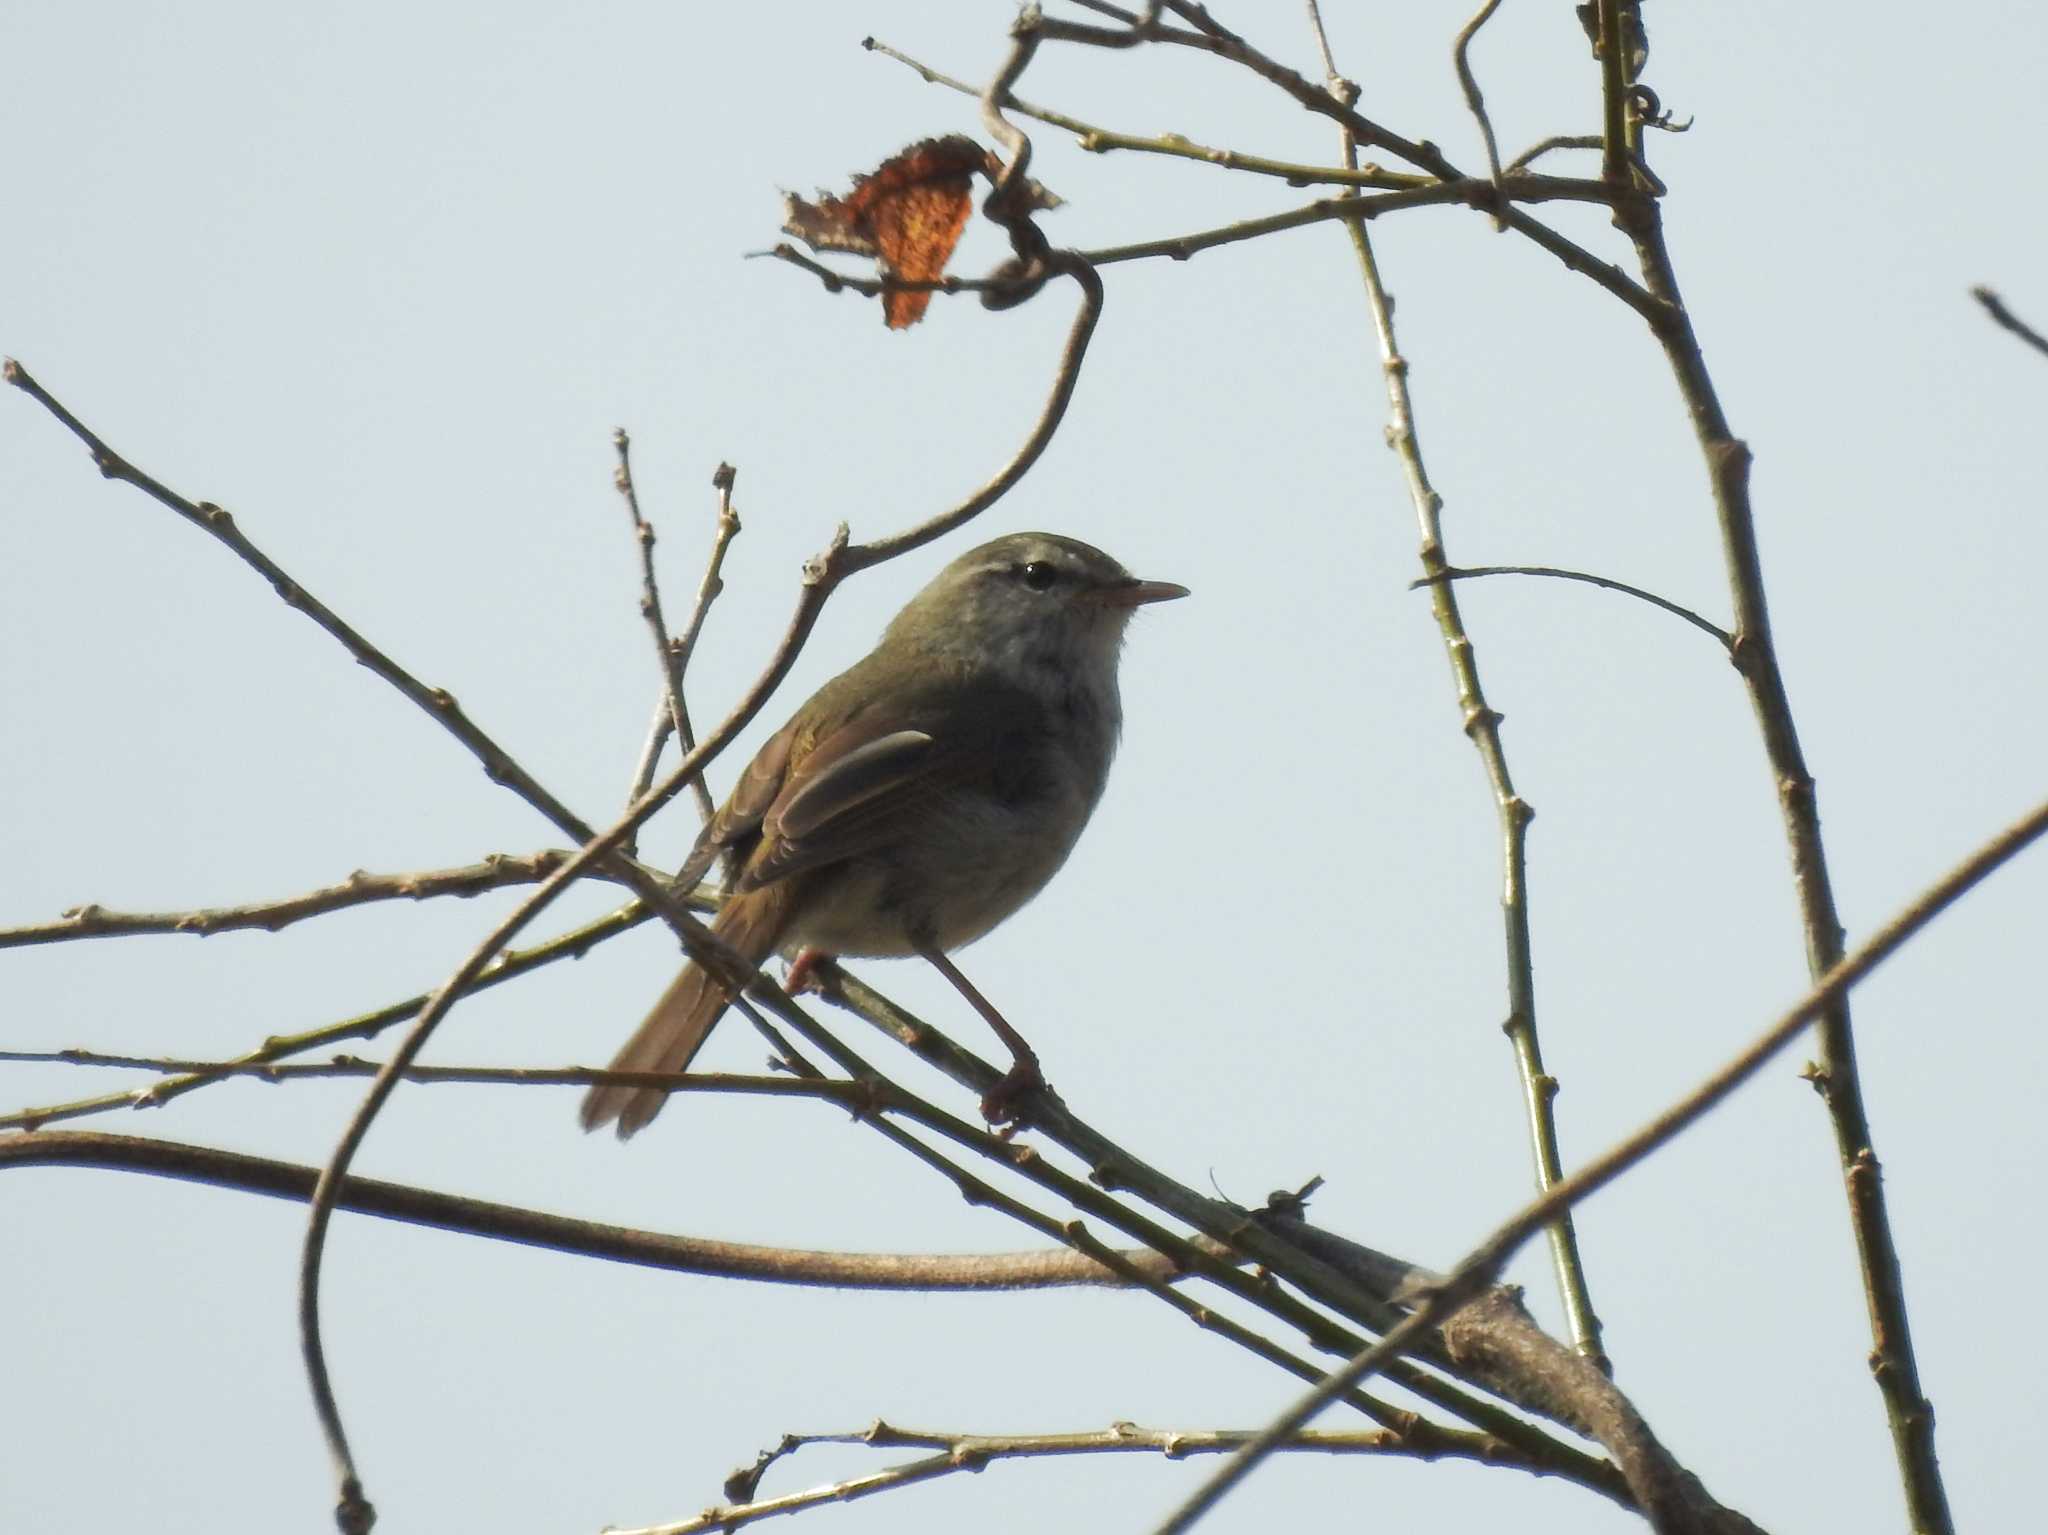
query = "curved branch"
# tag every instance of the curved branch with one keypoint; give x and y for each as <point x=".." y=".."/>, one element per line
<point x="591" y="1239"/>
<point x="1461" y="61"/>
<point x="1606" y="583"/>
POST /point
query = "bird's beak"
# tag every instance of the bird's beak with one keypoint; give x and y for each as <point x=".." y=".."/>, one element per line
<point x="1137" y="593"/>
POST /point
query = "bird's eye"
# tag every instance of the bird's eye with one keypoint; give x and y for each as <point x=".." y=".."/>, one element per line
<point x="1038" y="575"/>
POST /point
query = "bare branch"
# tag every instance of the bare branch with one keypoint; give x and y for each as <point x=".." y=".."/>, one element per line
<point x="1099" y="140"/>
<point x="684" y="645"/>
<point x="1461" y="59"/>
<point x="1893" y="1362"/>
<point x="591" y="1239"/>
<point x="972" y="1452"/>
<point x="497" y="871"/>
<point x="668" y="652"/>
<point x="438" y="703"/>
<point x="1550" y="145"/>
<point x="1211" y="37"/>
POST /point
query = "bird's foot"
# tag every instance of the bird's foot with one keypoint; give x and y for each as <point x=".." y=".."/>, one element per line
<point x="803" y="971"/>
<point x="1003" y="1104"/>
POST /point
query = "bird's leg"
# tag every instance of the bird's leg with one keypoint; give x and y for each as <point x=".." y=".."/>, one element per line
<point x="800" y="978"/>
<point x="999" y="1104"/>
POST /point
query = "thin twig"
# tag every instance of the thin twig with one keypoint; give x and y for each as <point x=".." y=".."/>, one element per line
<point x="667" y="652"/>
<point x="495" y="872"/>
<point x="683" y="646"/>
<point x="1556" y="141"/>
<point x="1995" y="307"/>
<point x="1483" y="1265"/>
<point x="1468" y="82"/>
<point x="1331" y="78"/>
<point x="1606" y="583"/>
<point x="1513" y="813"/>
<point x="1209" y="36"/>
<point x="971" y="1452"/>
<point x="1099" y="140"/>
<point x="438" y="703"/>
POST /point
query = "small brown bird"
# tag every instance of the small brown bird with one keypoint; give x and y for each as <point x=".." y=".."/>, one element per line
<point x="920" y="797"/>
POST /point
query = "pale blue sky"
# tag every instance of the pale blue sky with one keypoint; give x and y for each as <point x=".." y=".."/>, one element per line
<point x="381" y="280"/>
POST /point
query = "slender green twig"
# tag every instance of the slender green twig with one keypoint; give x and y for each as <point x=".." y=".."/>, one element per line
<point x="1482" y="727"/>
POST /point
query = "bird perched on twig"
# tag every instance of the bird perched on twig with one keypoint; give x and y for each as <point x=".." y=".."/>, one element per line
<point x="920" y="797"/>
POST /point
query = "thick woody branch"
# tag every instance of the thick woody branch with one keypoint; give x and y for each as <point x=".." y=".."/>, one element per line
<point x="1496" y="1341"/>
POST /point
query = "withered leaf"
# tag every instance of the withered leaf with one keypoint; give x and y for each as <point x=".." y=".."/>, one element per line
<point x="907" y="214"/>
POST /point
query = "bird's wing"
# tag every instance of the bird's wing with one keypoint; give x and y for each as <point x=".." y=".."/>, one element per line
<point x="740" y="816"/>
<point x="865" y="782"/>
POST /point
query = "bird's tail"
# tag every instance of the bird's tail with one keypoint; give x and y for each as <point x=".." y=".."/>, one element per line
<point x="752" y="926"/>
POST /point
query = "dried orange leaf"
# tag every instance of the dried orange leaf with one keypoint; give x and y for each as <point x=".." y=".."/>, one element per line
<point x="907" y="214"/>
